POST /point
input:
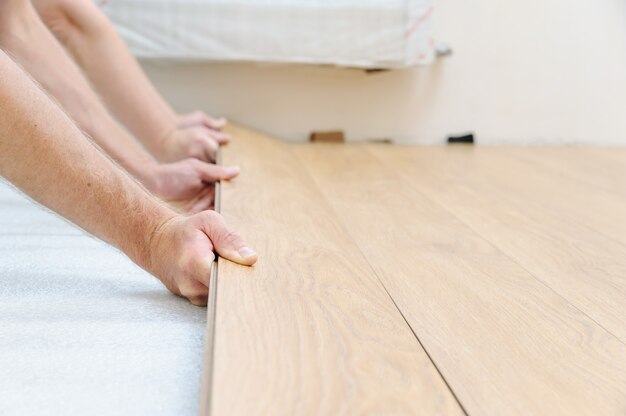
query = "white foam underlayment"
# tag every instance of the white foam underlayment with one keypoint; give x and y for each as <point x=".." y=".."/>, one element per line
<point x="83" y="330"/>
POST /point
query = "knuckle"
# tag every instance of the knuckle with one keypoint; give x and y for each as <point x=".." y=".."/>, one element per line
<point x="213" y="216"/>
<point x="199" y="300"/>
<point x="191" y="288"/>
<point x="232" y="237"/>
<point x="195" y="292"/>
<point x="197" y="297"/>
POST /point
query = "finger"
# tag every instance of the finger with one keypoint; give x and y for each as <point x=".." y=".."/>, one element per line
<point x="214" y="173"/>
<point x="198" y="274"/>
<point x="197" y="292"/>
<point x="203" y="201"/>
<point x="214" y="123"/>
<point x="220" y="138"/>
<point x="210" y="148"/>
<point x="227" y="243"/>
<point x="188" y="205"/>
<point x="199" y="118"/>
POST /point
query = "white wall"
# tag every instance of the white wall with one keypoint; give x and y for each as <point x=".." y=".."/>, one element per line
<point x="534" y="71"/>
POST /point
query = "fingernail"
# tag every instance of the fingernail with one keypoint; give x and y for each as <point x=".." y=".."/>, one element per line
<point x="246" y="252"/>
<point x="232" y="170"/>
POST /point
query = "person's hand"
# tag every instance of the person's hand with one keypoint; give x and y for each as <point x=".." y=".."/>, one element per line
<point x="187" y="180"/>
<point x="198" y="142"/>
<point x="181" y="252"/>
<point x="203" y="201"/>
<point x="200" y="118"/>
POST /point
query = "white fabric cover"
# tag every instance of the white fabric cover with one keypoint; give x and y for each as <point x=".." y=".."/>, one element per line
<point x="354" y="33"/>
<point x="83" y="331"/>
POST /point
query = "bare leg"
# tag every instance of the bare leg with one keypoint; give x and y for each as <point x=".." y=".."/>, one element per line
<point x="47" y="156"/>
<point x="90" y="37"/>
<point x="24" y="36"/>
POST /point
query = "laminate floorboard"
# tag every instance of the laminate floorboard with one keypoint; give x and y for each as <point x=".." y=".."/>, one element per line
<point x="590" y="197"/>
<point x="565" y="233"/>
<point x="505" y="341"/>
<point x="602" y="168"/>
<point x="309" y="329"/>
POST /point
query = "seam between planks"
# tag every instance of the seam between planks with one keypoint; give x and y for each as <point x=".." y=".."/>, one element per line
<point x="495" y="246"/>
<point x="371" y="268"/>
<point x="425" y="350"/>
<point x="206" y="390"/>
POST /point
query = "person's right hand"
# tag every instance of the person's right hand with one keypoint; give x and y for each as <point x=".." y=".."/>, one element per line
<point x="200" y="118"/>
<point x="199" y="142"/>
<point x="187" y="181"/>
<point x="181" y="253"/>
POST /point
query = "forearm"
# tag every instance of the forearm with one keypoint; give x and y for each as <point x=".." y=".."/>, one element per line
<point x="45" y="154"/>
<point x="28" y="41"/>
<point x="92" y="40"/>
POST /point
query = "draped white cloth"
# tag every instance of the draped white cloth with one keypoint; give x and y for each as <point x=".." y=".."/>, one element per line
<point x="353" y="33"/>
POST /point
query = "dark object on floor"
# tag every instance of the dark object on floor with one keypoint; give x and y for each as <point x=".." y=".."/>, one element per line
<point x="465" y="138"/>
<point x="380" y="141"/>
<point x="328" y="136"/>
<point x="370" y="71"/>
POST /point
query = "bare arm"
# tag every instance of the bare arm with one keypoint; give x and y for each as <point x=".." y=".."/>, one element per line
<point x="45" y="154"/>
<point x="90" y="37"/>
<point x="30" y="43"/>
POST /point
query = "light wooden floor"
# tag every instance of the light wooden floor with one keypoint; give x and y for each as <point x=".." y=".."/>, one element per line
<point x="421" y="280"/>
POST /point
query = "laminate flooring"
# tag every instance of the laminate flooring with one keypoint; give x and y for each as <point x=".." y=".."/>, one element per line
<point x="421" y="280"/>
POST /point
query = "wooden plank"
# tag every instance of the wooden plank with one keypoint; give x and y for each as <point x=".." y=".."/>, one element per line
<point x="206" y="387"/>
<point x="602" y="168"/>
<point x="556" y="228"/>
<point x="209" y="334"/>
<point x="588" y="194"/>
<point x="309" y="329"/>
<point x="505" y="342"/>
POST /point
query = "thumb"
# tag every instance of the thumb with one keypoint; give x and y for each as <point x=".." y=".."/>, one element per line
<point x="226" y="242"/>
<point x="214" y="173"/>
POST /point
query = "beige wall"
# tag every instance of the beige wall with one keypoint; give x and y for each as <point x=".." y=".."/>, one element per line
<point x="534" y="71"/>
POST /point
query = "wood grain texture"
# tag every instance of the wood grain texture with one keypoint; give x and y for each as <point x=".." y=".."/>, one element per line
<point x="570" y="235"/>
<point x="309" y="329"/>
<point x="602" y="168"/>
<point x="505" y="342"/>
<point x="588" y="185"/>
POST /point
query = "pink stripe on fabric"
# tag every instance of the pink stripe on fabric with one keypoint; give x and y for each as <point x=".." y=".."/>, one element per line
<point x="419" y="21"/>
